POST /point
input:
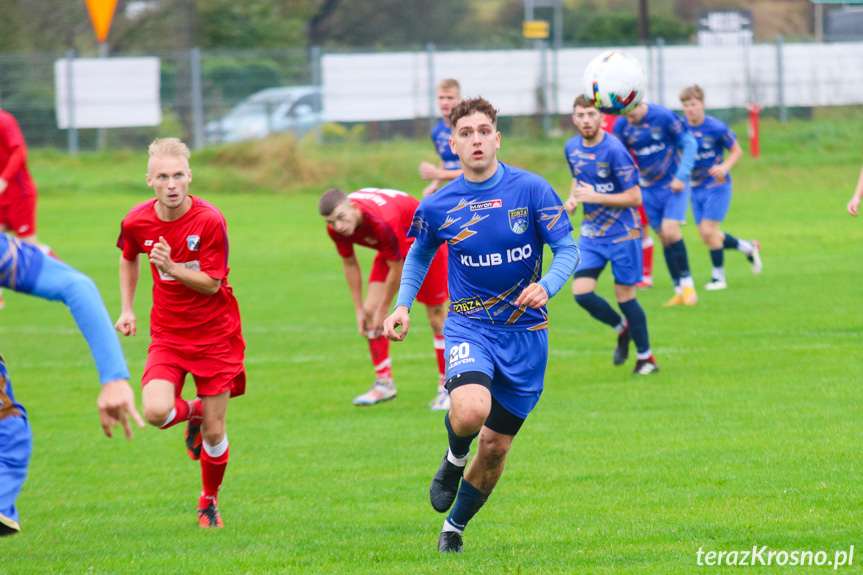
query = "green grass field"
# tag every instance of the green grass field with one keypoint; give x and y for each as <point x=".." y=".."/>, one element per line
<point x="750" y="435"/>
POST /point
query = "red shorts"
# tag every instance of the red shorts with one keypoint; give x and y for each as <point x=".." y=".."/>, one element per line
<point x="19" y="217"/>
<point x="216" y="368"/>
<point x="434" y="289"/>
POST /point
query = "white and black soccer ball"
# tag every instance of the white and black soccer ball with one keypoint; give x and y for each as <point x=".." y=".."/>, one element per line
<point x="614" y="82"/>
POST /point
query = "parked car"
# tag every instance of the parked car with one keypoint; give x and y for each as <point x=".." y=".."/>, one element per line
<point x="295" y="109"/>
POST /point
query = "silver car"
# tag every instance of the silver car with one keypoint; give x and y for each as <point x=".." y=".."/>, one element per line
<point x="295" y="109"/>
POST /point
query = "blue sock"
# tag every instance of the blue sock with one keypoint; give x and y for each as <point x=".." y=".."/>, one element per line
<point x="671" y="262"/>
<point x="598" y="308"/>
<point x="717" y="257"/>
<point x="637" y="324"/>
<point x="459" y="446"/>
<point x="682" y="258"/>
<point x="730" y="242"/>
<point x="467" y="503"/>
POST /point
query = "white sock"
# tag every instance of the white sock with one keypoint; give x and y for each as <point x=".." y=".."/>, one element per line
<point x="171" y="417"/>
<point x="447" y="526"/>
<point x="216" y="450"/>
<point x="621" y="327"/>
<point x="745" y="246"/>
<point x="457" y="461"/>
<point x="719" y="274"/>
<point x="645" y="355"/>
<point x="687" y="282"/>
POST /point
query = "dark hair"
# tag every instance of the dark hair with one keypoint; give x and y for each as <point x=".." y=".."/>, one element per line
<point x="471" y="105"/>
<point x="330" y="200"/>
<point x="581" y="102"/>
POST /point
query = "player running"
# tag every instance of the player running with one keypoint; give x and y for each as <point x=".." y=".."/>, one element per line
<point x="665" y="152"/>
<point x="495" y="220"/>
<point x="195" y="321"/>
<point x="711" y="185"/>
<point x="448" y="96"/>
<point x="380" y="219"/>
<point x="605" y="183"/>
<point x="25" y="269"/>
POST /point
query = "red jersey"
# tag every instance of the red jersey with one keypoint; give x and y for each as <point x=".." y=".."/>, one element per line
<point x="387" y="217"/>
<point x="199" y="241"/>
<point x="13" y="160"/>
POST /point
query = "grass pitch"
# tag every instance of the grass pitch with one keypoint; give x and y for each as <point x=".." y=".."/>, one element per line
<point x="749" y="436"/>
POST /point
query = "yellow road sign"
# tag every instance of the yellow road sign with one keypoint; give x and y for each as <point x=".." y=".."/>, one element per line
<point x="535" y="29"/>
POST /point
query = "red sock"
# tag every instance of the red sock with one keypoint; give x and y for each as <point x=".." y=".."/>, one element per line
<point x="441" y="358"/>
<point x="647" y="259"/>
<point x="212" y="472"/>
<point x="182" y="409"/>
<point x="380" y="348"/>
<point x="196" y="411"/>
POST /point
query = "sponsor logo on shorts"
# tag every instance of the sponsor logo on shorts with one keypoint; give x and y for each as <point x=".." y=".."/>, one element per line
<point x="485" y="205"/>
<point x="194" y="242"/>
<point x="467" y="306"/>
<point x="518" y="220"/>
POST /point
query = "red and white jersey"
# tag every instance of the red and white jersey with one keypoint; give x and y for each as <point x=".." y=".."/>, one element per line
<point x="387" y="217"/>
<point x="13" y="160"/>
<point x="199" y="242"/>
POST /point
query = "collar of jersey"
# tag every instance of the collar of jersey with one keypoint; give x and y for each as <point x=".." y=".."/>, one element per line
<point x="489" y="183"/>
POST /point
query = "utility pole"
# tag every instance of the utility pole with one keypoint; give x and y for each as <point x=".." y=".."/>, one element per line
<point x="643" y="23"/>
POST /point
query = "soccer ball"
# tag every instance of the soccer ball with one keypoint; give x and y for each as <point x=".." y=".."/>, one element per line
<point x="614" y="82"/>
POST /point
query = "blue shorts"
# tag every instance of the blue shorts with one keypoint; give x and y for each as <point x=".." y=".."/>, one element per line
<point x="660" y="203"/>
<point x="711" y="203"/>
<point x="16" y="446"/>
<point x="514" y="360"/>
<point x="625" y="258"/>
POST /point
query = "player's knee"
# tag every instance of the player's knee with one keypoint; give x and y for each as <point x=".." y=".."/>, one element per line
<point x="213" y="436"/>
<point x="468" y="419"/>
<point x="156" y="414"/>
<point x="494" y="448"/>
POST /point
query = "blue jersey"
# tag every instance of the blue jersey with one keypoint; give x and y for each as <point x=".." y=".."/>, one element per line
<point x="656" y="144"/>
<point x="713" y="137"/>
<point x="440" y="135"/>
<point x="20" y="264"/>
<point x="8" y="405"/>
<point x="609" y="168"/>
<point x="495" y="230"/>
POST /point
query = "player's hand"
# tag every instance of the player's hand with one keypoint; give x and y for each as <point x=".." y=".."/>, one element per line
<point x="534" y="296"/>
<point x="116" y="405"/>
<point x="585" y="193"/>
<point x="677" y="186"/>
<point x="364" y="322"/>
<point x="399" y="317"/>
<point x="570" y="205"/>
<point x="3" y="184"/>
<point x="719" y="172"/>
<point x="853" y="205"/>
<point x="428" y="171"/>
<point x="376" y="329"/>
<point x="127" y="324"/>
<point x="161" y="256"/>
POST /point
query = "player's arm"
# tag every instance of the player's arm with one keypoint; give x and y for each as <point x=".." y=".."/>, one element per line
<point x="16" y="160"/>
<point x="127" y="324"/>
<point x="719" y="171"/>
<point x="587" y="194"/>
<point x="60" y="282"/>
<point x="391" y="287"/>
<point x="688" y="147"/>
<point x="354" y="277"/>
<point x="416" y="266"/>
<point x="854" y="203"/>
<point x="199" y="281"/>
<point x="571" y="203"/>
<point x="564" y="261"/>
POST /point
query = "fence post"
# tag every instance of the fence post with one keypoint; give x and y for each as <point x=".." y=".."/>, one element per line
<point x="780" y="80"/>
<point x="660" y="71"/>
<point x="70" y="85"/>
<point x="197" y="98"/>
<point x="430" y="50"/>
<point x="317" y="82"/>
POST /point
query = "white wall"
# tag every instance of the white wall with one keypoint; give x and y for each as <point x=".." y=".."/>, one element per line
<point x="395" y="86"/>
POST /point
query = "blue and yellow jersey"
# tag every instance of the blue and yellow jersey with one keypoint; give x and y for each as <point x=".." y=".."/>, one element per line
<point x="609" y="168"/>
<point x="655" y="143"/>
<point x="495" y="231"/>
<point x="8" y="405"/>
<point x="20" y="264"/>
<point x="713" y="138"/>
<point x="440" y="135"/>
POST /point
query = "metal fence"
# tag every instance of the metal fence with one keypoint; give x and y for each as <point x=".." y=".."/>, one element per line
<point x="393" y="92"/>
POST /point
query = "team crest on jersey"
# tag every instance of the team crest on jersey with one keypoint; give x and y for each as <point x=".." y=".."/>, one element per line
<point x="194" y="242"/>
<point x="707" y="143"/>
<point x="602" y="170"/>
<point x="518" y="220"/>
<point x="485" y="205"/>
<point x="656" y="132"/>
